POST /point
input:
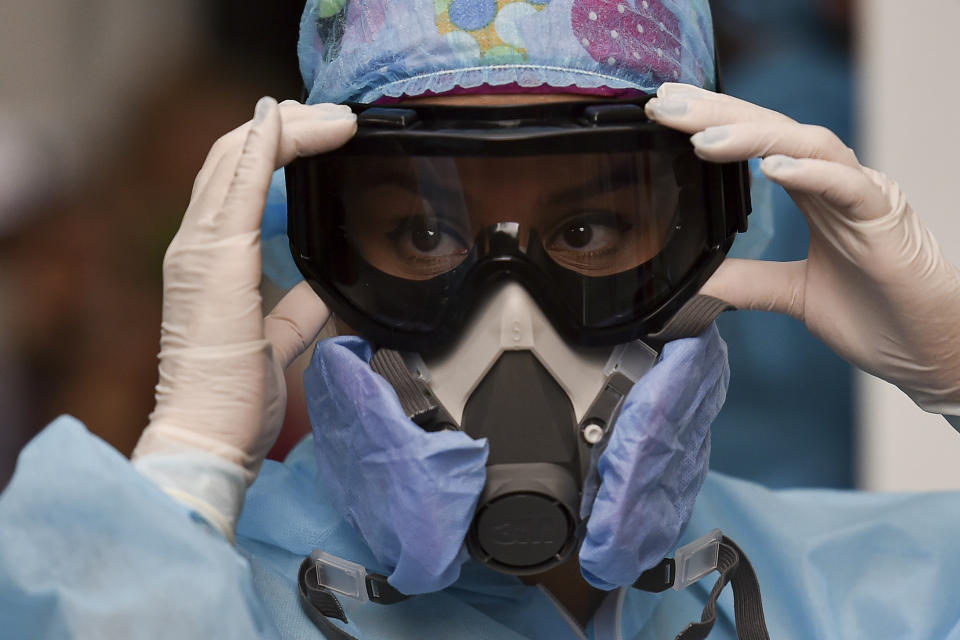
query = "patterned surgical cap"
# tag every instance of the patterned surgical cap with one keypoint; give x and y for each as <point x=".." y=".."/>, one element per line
<point x="370" y="50"/>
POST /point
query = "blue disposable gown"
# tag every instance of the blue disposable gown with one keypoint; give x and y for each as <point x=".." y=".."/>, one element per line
<point x="89" y="548"/>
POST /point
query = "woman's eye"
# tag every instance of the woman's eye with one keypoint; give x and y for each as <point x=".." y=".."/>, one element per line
<point x="426" y="236"/>
<point x="587" y="235"/>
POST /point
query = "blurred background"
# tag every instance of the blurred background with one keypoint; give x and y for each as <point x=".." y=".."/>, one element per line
<point x="108" y="107"/>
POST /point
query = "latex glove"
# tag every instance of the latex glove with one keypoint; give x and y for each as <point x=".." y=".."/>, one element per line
<point x="655" y="462"/>
<point x="221" y="395"/>
<point x="410" y="494"/>
<point x="875" y="286"/>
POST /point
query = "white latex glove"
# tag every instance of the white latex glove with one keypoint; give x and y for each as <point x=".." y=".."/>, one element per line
<point x="875" y="286"/>
<point x="221" y="396"/>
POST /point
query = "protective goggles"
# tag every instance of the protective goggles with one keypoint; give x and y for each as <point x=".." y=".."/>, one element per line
<point x="610" y="221"/>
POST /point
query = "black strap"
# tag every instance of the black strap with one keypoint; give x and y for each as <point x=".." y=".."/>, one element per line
<point x="381" y="591"/>
<point x="320" y="604"/>
<point x="735" y="568"/>
<point x="660" y="578"/>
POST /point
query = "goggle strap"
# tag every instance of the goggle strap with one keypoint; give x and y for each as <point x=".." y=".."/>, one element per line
<point x="692" y="319"/>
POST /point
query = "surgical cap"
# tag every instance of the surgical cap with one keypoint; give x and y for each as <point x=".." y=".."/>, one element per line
<point x="370" y="50"/>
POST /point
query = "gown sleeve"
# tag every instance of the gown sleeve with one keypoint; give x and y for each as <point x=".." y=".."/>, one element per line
<point x="90" y="548"/>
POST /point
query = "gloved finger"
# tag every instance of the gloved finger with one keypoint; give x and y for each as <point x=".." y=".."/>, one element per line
<point x="691" y="111"/>
<point x="736" y="142"/>
<point x="294" y="323"/>
<point x="229" y="145"/>
<point x="852" y="192"/>
<point x="246" y="197"/>
<point x="760" y="285"/>
<point x="688" y="91"/>
<point x="304" y="136"/>
<point x="230" y="279"/>
<point x="684" y="90"/>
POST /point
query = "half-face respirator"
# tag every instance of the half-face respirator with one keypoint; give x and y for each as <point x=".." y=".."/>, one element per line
<point x="517" y="269"/>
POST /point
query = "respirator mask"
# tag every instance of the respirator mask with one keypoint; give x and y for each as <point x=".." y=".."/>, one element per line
<point x="517" y="269"/>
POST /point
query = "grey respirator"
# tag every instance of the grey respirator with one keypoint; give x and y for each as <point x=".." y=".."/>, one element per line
<point x="546" y="409"/>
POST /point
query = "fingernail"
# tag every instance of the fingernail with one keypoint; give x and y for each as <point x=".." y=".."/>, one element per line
<point x="329" y="111"/>
<point x="329" y="106"/>
<point x="710" y="136"/>
<point x="775" y="164"/>
<point x="340" y="116"/>
<point x="668" y="106"/>
<point x="678" y="90"/>
<point x="264" y="105"/>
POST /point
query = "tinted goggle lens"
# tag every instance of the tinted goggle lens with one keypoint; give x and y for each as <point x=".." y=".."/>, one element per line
<point x="594" y="214"/>
<point x="610" y="226"/>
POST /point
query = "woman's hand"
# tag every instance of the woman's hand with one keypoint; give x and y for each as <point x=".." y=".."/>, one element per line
<point x="875" y="286"/>
<point x="220" y="388"/>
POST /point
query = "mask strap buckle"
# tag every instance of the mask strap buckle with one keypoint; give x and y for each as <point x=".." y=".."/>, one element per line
<point x="689" y="564"/>
<point x="351" y="579"/>
<point x="323" y="575"/>
<point x="695" y="560"/>
<point x="338" y="575"/>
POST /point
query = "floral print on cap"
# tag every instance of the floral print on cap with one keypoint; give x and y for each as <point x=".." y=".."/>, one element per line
<point x="367" y="50"/>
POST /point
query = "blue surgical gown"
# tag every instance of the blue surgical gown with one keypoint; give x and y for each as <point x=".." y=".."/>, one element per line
<point x="89" y="548"/>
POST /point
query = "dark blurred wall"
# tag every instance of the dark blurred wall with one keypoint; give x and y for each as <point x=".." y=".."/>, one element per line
<point x="81" y="285"/>
<point x="264" y="36"/>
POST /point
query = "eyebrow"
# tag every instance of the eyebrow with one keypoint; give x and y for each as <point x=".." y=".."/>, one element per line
<point x="416" y="184"/>
<point x="423" y="188"/>
<point x="622" y="176"/>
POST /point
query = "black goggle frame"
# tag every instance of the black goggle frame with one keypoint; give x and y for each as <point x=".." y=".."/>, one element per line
<point x="540" y="129"/>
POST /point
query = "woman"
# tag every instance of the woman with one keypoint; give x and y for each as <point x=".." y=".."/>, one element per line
<point x="91" y="548"/>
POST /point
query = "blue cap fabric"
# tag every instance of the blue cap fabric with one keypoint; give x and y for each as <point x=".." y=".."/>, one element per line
<point x="368" y="50"/>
